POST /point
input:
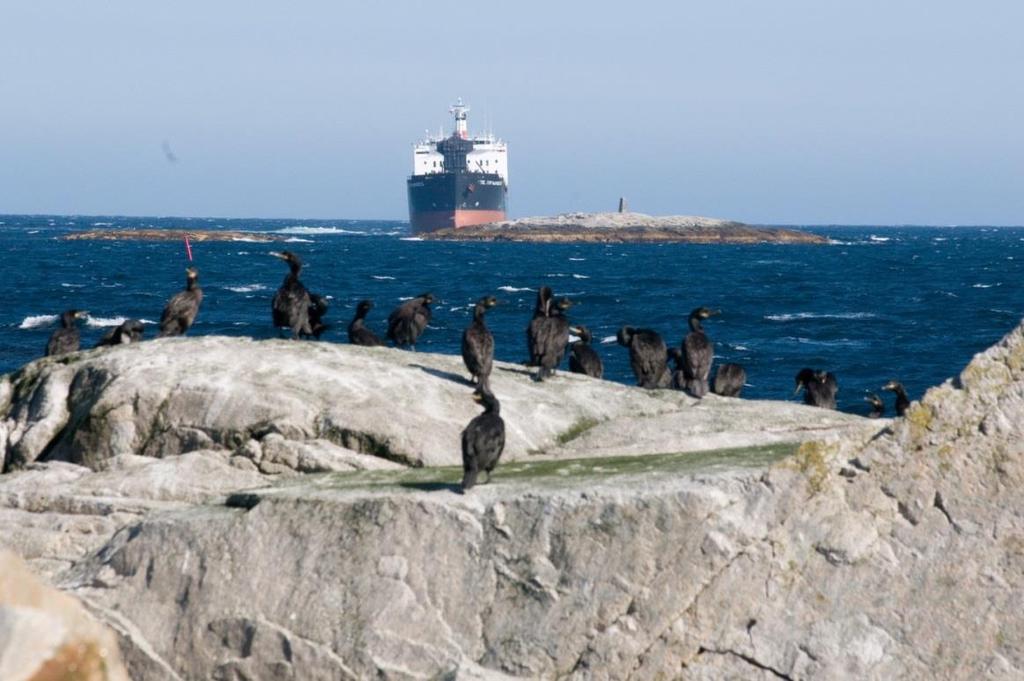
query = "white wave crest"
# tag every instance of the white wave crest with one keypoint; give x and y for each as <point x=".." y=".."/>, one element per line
<point x="577" y="259"/>
<point x="880" y="239"/>
<point x="248" y="288"/>
<point x="242" y="239"/>
<point x="416" y="238"/>
<point x="311" y="231"/>
<point x="297" y="240"/>
<point x="608" y="340"/>
<point x="813" y="315"/>
<point x="381" y="277"/>
<point x="986" y="285"/>
<point x="103" y="322"/>
<point x="580" y="276"/>
<point x="66" y="285"/>
<point x="513" y="289"/>
<point x="37" y="320"/>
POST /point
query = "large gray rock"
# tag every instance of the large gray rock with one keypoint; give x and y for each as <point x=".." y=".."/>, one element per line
<point x="834" y="551"/>
<point x="312" y="404"/>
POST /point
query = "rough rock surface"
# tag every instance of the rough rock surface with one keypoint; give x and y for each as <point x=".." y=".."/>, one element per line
<point x="281" y="406"/>
<point x="626" y="228"/>
<point x="46" y="634"/>
<point x="839" y="553"/>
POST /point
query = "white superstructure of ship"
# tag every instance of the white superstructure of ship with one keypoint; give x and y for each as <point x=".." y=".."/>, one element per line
<point x="489" y="154"/>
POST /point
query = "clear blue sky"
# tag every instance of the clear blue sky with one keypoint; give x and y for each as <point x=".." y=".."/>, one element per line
<point x="791" y="111"/>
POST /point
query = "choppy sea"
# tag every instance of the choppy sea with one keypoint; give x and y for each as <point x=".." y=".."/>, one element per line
<point x="877" y="303"/>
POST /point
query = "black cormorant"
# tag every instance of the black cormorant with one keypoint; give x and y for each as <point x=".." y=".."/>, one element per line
<point x="66" y="338"/>
<point x="647" y="355"/>
<point x="128" y="331"/>
<point x="541" y="310"/>
<point x="819" y="388"/>
<point x="291" y="304"/>
<point x="552" y="337"/>
<point x="358" y="334"/>
<point x="317" y="309"/>
<point x="698" y="352"/>
<point x="583" y="359"/>
<point x="407" y="321"/>
<point x="877" y="405"/>
<point x="483" y="439"/>
<point x="729" y="380"/>
<point x="181" y="309"/>
<point x="478" y="343"/>
<point x="675" y="355"/>
<point x="902" y="401"/>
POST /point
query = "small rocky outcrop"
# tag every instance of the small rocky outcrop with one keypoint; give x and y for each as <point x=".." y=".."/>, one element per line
<point x="137" y="234"/>
<point x="626" y="228"/>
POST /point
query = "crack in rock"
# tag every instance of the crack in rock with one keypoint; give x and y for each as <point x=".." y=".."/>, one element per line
<point x="746" y="658"/>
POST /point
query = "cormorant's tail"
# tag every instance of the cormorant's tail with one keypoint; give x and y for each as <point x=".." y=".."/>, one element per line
<point x="469" y="479"/>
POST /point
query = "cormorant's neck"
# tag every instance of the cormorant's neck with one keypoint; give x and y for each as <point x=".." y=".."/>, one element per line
<point x="695" y="323"/>
<point x="190" y="285"/>
<point x="494" y="407"/>
<point x="478" y="313"/>
<point x="67" y="320"/>
<point x="295" y="267"/>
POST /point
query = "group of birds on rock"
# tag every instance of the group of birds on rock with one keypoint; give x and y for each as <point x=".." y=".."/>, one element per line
<point x="649" y="357"/>
<point x="301" y="312"/>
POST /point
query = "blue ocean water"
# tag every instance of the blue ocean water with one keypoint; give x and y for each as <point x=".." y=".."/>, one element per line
<point x="911" y="303"/>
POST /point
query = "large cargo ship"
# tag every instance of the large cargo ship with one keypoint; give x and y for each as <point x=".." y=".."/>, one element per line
<point x="458" y="180"/>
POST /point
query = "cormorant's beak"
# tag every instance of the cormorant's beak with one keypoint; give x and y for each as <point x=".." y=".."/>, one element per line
<point x="575" y="330"/>
<point x="277" y="254"/>
<point x="799" y="387"/>
<point x="478" y="397"/>
<point x="714" y="313"/>
<point x="81" y="314"/>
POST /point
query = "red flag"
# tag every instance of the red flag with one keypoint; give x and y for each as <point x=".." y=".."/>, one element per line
<point x="188" y="248"/>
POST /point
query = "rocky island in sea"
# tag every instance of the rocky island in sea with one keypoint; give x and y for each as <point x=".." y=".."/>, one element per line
<point x="168" y="234"/>
<point x="226" y="517"/>
<point x="625" y="227"/>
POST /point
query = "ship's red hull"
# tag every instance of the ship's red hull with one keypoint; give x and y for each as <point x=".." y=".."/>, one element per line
<point x="428" y="221"/>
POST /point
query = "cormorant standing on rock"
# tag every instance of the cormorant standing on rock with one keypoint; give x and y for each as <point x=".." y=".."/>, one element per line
<point x="902" y="401"/>
<point x="317" y="309"/>
<point x="181" y="309"/>
<point x="675" y="355"/>
<point x="128" y="331"/>
<point x="291" y="304"/>
<point x="877" y="405"/>
<point x="407" y="321"/>
<point x="552" y="337"/>
<point x="647" y="356"/>
<point x="820" y="388"/>
<point x="729" y="380"/>
<point x="540" y="312"/>
<point x="483" y="439"/>
<point x="67" y="338"/>
<point x="478" y="343"/>
<point x="358" y="334"/>
<point x="698" y="352"/>
<point x="583" y="359"/>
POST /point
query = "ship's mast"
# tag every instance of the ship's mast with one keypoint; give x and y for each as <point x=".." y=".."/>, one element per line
<point x="459" y="110"/>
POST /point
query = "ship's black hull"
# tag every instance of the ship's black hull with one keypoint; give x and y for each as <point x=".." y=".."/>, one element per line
<point x="441" y="200"/>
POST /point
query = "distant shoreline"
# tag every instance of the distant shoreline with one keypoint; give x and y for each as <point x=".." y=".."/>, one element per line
<point x="626" y="228"/>
<point x="197" y="235"/>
